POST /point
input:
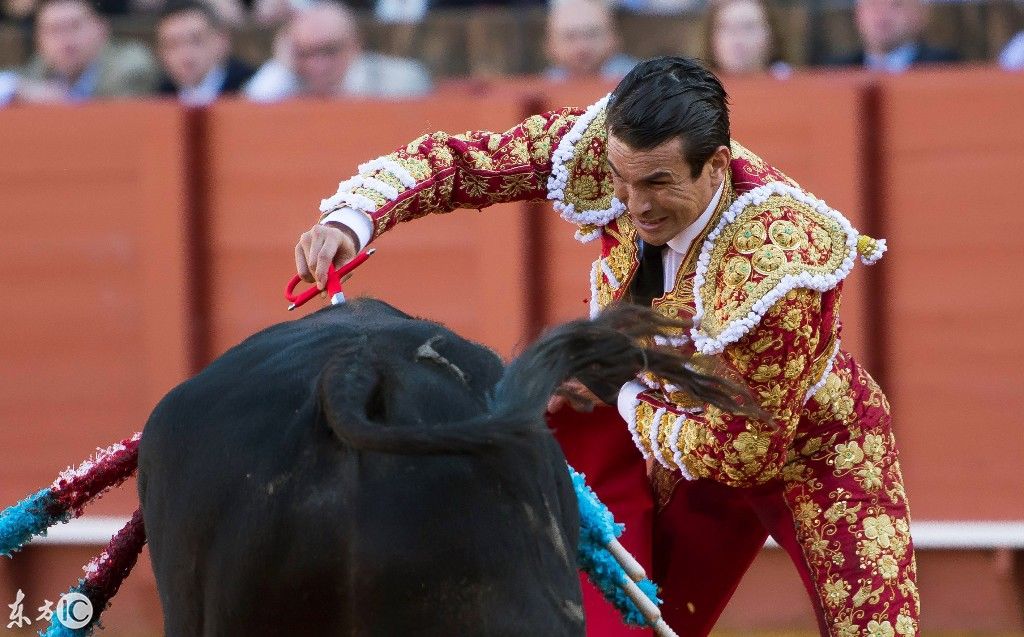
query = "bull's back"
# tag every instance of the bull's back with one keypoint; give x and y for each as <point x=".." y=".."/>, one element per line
<point x="261" y="522"/>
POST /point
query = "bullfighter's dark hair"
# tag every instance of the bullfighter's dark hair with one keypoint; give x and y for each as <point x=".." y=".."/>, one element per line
<point x="667" y="97"/>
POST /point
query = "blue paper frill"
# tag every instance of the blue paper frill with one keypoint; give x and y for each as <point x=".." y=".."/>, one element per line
<point x="597" y="528"/>
<point x="26" y="519"/>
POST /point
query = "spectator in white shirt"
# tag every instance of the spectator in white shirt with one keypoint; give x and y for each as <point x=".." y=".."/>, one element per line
<point x="1012" y="56"/>
<point x="319" y="54"/>
<point x="582" y="42"/>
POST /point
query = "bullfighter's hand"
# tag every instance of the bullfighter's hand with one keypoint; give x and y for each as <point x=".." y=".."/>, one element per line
<point x="322" y="245"/>
<point x="576" y="395"/>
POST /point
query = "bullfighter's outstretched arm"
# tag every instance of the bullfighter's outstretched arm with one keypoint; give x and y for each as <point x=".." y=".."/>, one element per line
<point x="440" y="172"/>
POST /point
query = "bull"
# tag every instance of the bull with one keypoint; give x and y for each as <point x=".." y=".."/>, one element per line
<point x="363" y="472"/>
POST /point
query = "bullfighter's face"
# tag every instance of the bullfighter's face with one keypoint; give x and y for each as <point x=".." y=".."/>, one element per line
<point x="661" y="196"/>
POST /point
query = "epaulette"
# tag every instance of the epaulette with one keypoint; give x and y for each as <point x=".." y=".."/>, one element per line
<point x="771" y="240"/>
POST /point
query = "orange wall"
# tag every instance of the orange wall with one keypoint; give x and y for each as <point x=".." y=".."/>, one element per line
<point x="269" y="167"/>
<point x="954" y="304"/>
<point x="97" y="208"/>
<point x="93" y="276"/>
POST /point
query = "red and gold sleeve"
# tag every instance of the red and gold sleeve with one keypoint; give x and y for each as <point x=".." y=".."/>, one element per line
<point x="440" y="172"/>
<point x="781" y="359"/>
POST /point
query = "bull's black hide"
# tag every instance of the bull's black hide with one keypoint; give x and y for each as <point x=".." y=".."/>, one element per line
<point x="359" y="472"/>
<point x="344" y="474"/>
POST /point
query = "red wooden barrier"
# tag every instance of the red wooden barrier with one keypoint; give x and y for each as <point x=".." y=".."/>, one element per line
<point x="269" y="166"/>
<point x="93" y="276"/>
<point x="953" y="151"/>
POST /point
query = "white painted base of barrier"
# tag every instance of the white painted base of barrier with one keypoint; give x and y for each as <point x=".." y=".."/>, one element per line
<point x="931" y="534"/>
<point x="957" y="534"/>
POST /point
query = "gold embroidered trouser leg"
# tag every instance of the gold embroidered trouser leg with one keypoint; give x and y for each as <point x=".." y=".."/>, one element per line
<point x="852" y="522"/>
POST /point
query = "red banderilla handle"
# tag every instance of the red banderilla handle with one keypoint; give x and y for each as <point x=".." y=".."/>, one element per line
<point x="334" y="276"/>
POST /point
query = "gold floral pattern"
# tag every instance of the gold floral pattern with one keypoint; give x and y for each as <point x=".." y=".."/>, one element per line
<point x="590" y="186"/>
<point x="785" y="234"/>
<point x="803" y="251"/>
<point x="749" y="237"/>
<point x="859" y="548"/>
<point x="469" y="170"/>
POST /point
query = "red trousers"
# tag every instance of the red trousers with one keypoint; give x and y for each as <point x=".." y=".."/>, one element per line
<point x="854" y="555"/>
<point x="598" y="445"/>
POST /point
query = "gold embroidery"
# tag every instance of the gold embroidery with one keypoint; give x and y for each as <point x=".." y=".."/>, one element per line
<point x="515" y="155"/>
<point x="419" y="168"/>
<point x="473" y="185"/>
<point x="493" y="142"/>
<point x="481" y="160"/>
<point x="442" y="156"/>
<point x="737" y="271"/>
<point x="811" y="253"/>
<point x="534" y="125"/>
<point x="413" y="147"/>
<point x="749" y="237"/>
<point x="644" y="422"/>
<point x="589" y="161"/>
<point x="513" y="185"/>
<point x="785" y="234"/>
<point x="541" y="150"/>
<point x="391" y="180"/>
<point x="768" y="259"/>
<point x="372" y="194"/>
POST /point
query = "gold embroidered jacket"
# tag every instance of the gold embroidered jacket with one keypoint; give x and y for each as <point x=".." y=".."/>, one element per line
<point x="762" y="282"/>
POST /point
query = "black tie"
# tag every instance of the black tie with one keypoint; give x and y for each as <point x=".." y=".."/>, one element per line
<point x="649" y="282"/>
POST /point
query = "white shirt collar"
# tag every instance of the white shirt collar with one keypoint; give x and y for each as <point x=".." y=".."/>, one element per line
<point x="896" y="61"/>
<point x="207" y="90"/>
<point x="681" y="242"/>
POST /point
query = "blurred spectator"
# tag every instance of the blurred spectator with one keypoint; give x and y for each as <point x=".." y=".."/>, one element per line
<point x="25" y="9"/>
<point x="20" y="10"/>
<point x="270" y="13"/>
<point x="660" y="7"/>
<point x="891" y="34"/>
<point x="229" y="13"/>
<point x="195" y="51"/>
<point x="1012" y="56"/>
<point x="76" y="61"/>
<point x="319" y="54"/>
<point x="582" y="42"/>
<point x="741" y="38"/>
<point x="401" y="11"/>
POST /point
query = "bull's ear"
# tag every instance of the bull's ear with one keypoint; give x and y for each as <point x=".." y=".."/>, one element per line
<point x="352" y="385"/>
<point x="375" y="404"/>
